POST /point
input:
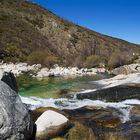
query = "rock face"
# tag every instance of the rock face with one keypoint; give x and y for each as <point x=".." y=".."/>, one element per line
<point x="15" y="121"/>
<point x="113" y="94"/>
<point x="50" y="124"/>
<point x="127" y="69"/>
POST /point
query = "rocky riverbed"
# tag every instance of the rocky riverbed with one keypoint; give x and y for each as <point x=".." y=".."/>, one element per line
<point x="109" y="111"/>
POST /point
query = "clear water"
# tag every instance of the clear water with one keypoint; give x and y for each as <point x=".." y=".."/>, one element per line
<point x="55" y="87"/>
<point x="54" y="91"/>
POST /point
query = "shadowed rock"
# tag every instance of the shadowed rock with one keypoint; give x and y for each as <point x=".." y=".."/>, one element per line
<point x="10" y="80"/>
<point x="113" y="94"/>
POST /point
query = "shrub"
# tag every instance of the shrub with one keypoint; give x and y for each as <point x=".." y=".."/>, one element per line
<point x="93" y="61"/>
<point x="118" y="59"/>
<point x="44" y="58"/>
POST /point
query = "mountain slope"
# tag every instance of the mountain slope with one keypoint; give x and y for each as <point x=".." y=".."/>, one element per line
<point x="32" y="34"/>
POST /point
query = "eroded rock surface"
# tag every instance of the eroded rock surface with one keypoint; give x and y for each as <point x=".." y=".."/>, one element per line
<point x="113" y="94"/>
<point x="15" y="121"/>
<point x="127" y="69"/>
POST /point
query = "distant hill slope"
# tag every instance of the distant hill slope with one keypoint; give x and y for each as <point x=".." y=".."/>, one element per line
<point x="30" y="33"/>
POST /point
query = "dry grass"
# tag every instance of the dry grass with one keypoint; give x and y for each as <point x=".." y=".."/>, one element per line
<point x="32" y="29"/>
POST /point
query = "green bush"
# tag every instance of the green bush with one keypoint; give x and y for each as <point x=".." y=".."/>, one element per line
<point x="118" y="59"/>
<point x="93" y="61"/>
<point x="13" y="53"/>
<point x="44" y="58"/>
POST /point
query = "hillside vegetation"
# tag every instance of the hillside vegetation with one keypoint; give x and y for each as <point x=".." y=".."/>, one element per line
<point x="30" y="33"/>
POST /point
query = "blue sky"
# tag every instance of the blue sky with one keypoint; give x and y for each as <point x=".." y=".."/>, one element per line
<point x="118" y="18"/>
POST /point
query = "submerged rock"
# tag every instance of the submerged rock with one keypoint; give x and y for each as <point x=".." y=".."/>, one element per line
<point x="80" y="132"/>
<point x="103" y="124"/>
<point x="15" y="121"/>
<point x="51" y="124"/>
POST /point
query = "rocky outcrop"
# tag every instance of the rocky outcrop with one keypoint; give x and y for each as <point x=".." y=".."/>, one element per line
<point x="50" y="124"/>
<point x="15" y="121"/>
<point x="113" y="94"/>
<point x="126" y="69"/>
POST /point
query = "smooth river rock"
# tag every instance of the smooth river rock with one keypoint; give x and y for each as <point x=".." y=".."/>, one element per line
<point x="50" y="124"/>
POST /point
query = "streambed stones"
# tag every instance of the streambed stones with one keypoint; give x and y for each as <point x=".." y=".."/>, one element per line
<point x="50" y="124"/>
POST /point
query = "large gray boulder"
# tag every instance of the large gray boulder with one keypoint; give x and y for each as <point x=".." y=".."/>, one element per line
<point x="15" y="121"/>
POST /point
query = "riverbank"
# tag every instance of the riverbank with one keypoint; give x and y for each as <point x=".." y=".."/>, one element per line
<point x="39" y="72"/>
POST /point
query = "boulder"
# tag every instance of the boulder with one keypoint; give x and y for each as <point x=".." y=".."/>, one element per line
<point x="50" y="124"/>
<point x="35" y="114"/>
<point x="126" y="69"/>
<point x="15" y="121"/>
<point x="44" y="72"/>
<point x="113" y="94"/>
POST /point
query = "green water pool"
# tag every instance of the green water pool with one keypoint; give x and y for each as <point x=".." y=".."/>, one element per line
<point x="55" y="87"/>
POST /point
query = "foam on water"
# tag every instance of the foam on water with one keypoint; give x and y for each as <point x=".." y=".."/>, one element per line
<point x="123" y="107"/>
<point x="63" y="103"/>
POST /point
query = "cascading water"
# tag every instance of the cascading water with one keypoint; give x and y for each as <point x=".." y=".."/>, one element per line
<point x="71" y="102"/>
